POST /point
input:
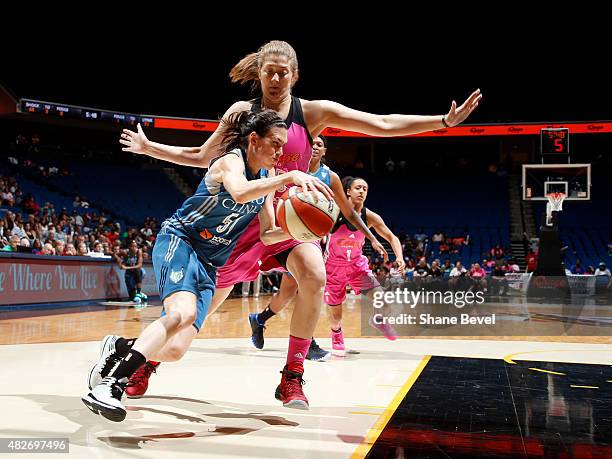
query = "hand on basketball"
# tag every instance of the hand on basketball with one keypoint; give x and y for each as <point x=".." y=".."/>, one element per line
<point x="378" y="247"/>
<point x="457" y="115"/>
<point x="308" y="183"/>
<point x="134" y="141"/>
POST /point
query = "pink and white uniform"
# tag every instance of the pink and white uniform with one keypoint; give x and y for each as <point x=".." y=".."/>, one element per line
<point x="250" y="254"/>
<point x="345" y="263"/>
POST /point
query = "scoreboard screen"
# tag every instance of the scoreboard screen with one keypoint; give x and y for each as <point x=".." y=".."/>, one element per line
<point x="74" y="112"/>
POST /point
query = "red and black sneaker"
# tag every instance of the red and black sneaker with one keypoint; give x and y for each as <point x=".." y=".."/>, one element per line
<point x="139" y="382"/>
<point x="289" y="391"/>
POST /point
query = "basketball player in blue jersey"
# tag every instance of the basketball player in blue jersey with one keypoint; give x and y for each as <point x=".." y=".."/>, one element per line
<point x="274" y="70"/>
<point x="194" y="242"/>
<point x="289" y="288"/>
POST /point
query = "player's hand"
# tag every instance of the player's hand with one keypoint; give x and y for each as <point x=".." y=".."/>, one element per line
<point x="401" y="265"/>
<point x="308" y="183"/>
<point x="378" y="247"/>
<point x="134" y="142"/>
<point x="457" y="115"/>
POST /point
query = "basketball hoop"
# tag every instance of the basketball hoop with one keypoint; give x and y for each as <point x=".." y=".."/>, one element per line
<point x="554" y="204"/>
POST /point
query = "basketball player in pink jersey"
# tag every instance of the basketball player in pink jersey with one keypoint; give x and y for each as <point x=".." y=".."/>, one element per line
<point x="274" y="69"/>
<point x="346" y="265"/>
<point x="289" y="287"/>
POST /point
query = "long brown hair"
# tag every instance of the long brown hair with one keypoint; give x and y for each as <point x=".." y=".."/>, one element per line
<point x="237" y="128"/>
<point x="247" y="70"/>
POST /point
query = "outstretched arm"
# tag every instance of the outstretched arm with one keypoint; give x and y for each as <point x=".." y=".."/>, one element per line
<point x="137" y="142"/>
<point x="381" y="228"/>
<point x="325" y="113"/>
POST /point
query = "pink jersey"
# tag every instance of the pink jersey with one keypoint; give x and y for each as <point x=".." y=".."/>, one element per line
<point x="345" y="263"/>
<point x="345" y="244"/>
<point x="250" y="254"/>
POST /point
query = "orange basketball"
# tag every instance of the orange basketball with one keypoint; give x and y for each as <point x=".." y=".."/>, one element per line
<point x="304" y="218"/>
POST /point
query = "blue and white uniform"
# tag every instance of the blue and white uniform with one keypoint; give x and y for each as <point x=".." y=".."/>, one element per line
<point x="199" y="238"/>
<point x="323" y="174"/>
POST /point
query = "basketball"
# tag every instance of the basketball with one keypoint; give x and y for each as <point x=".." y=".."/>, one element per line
<point x="304" y="218"/>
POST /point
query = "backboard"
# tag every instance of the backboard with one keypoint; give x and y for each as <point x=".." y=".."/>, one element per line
<point x="541" y="179"/>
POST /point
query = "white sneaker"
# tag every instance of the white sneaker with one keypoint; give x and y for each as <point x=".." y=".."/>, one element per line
<point x="105" y="399"/>
<point x="108" y="359"/>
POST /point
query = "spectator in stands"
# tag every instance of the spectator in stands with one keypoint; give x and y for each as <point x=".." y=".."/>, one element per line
<point x="381" y="275"/>
<point x="514" y="267"/>
<point x="478" y="276"/>
<point x="499" y="284"/>
<point x="25" y="242"/>
<point x="436" y="269"/>
<point x="532" y="261"/>
<point x="590" y="271"/>
<point x="458" y="270"/>
<point x="30" y="232"/>
<point x="487" y="265"/>
<point x="60" y="248"/>
<point x="457" y="276"/>
<point x="447" y="267"/>
<point x="70" y="250"/>
<point x="36" y="246"/>
<point x="497" y="252"/>
<point x="578" y="269"/>
<point x="11" y="246"/>
<point x="18" y="228"/>
<point x="60" y="233"/>
<point x="420" y="235"/>
<point x="112" y="235"/>
<point x="444" y="248"/>
<point x="82" y="250"/>
<point x="98" y="250"/>
<point x="421" y="272"/>
<point x="422" y="269"/>
<point x="602" y="270"/>
<point x="48" y="210"/>
<point x="6" y="197"/>
<point x="77" y="201"/>
<point x="77" y="219"/>
<point x="29" y="205"/>
<point x="438" y="236"/>
<point x="47" y="249"/>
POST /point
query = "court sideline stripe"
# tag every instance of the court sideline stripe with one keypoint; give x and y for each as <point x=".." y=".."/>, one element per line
<point x="374" y="432"/>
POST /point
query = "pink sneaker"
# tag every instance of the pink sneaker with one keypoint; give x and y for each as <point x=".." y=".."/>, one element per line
<point x="387" y="330"/>
<point x="338" y="343"/>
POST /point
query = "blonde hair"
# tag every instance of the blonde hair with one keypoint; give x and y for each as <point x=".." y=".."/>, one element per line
<point x="247" y="70"/>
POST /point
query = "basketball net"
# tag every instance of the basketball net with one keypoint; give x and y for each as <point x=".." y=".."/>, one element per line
<point x="554" y="204"/>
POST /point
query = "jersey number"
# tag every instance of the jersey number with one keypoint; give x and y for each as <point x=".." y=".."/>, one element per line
<point x="228" y="223"/>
